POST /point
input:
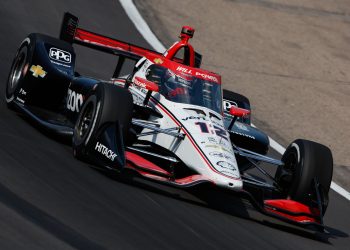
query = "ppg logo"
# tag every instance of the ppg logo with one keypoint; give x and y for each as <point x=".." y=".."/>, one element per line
<point x="60" y="55"/>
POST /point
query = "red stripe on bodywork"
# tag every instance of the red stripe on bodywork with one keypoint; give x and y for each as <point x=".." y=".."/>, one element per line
<point x="141" y="162"/>
<point x="186" y="181"/>
<point x="96" y="39"/>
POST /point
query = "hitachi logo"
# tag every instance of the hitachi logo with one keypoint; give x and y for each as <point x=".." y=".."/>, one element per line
<point x="105" y="151"/>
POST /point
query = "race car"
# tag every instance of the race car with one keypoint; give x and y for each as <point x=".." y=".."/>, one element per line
<point x="167" y="120"/>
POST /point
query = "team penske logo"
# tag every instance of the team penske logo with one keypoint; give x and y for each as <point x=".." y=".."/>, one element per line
<point x="109" y="154"/>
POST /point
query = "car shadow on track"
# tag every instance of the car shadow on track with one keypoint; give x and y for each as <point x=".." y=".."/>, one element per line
<point x="213" y="198"/>
<point x="45" y="221"/>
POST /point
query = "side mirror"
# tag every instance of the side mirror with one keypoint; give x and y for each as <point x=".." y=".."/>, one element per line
<point x="239" y="112"/>
<point x="143" y="83"/>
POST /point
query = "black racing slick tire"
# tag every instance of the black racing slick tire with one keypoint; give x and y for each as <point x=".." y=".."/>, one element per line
<point x="106" y="104"/>
<point x="19" y="69"/>
<point x="304" y="161"/>
<point x="232" y="98"/>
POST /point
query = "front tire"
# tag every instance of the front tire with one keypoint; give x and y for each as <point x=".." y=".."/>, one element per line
<point x="303" y="162"/>
<point x="106" y="104"/>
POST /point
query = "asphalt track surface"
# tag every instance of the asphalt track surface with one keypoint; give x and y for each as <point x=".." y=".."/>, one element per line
<point x="49" y="200"/>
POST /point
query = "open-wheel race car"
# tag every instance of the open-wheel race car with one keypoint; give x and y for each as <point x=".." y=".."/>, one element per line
<point x="168" y="120"/>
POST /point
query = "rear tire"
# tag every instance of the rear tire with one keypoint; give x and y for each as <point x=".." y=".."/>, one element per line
<point x="303" y="161"/>
<point x="107" y="104"/>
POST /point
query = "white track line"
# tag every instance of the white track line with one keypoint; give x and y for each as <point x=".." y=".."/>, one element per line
<point x="149" y="36"/>
<point x="141" y="25"/>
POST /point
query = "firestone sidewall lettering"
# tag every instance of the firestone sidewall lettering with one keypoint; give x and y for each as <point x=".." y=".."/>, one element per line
<point x="74" y="101"/>
<point x="109" y="154"/>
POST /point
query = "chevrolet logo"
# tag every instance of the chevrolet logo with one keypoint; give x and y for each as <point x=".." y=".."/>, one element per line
<point x="158" y="61"/>
<point x="38" y="71"/>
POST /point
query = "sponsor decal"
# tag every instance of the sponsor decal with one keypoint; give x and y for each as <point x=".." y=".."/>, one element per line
<point x="22" y="92"/>
<point x="227" y="165"/>
<point x="138" y="100"/>
<point x="37" y="70"/>
<point x="143" y="90"/>
<point x="184" y="70"/>
<point x="220" y="155"/>
<point x="158" y="61"/>
<point x="212" y="140"/>
<point x="217" y="142"/>
<point x="238" y="133"/>
<point x="228" y="104"/>
<point x="139" y="83"/>
<point x="20" y="100"/>
<point x="241" y="126"/>
<point x="74" y="100"/>
<point x="109" y="154"/>
<point x="184" y="81"/>
<point x="61" y="64"/>
<point x="207" y="77"/>
<point x="194" y="118"/>
<point x="229" y="173"/>
<point x="218" y="147"/>
<point x="60" y="55"/>
<point x="203" y="75"/>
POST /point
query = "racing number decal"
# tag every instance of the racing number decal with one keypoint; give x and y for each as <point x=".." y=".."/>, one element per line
<point x="218" y="131"/>
<point x="74" y="100"/>
<point x="203" y="126"/>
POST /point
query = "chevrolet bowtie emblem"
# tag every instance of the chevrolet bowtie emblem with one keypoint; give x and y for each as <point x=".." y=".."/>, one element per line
<point x="38" y="71"/>
<point x="158" y="61"/>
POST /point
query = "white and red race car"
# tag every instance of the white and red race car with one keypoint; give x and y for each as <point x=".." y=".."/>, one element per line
<point x="168" y="120"/>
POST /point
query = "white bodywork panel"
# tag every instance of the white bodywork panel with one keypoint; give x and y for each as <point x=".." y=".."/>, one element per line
<point x="206" y="148"/>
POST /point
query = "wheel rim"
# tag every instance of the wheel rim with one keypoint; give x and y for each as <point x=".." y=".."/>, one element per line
<point x="85" y="121"/>
<point x="17" y="73"/>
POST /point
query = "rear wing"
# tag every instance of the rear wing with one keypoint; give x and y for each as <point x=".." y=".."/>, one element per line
<point x="71" y="33"/>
